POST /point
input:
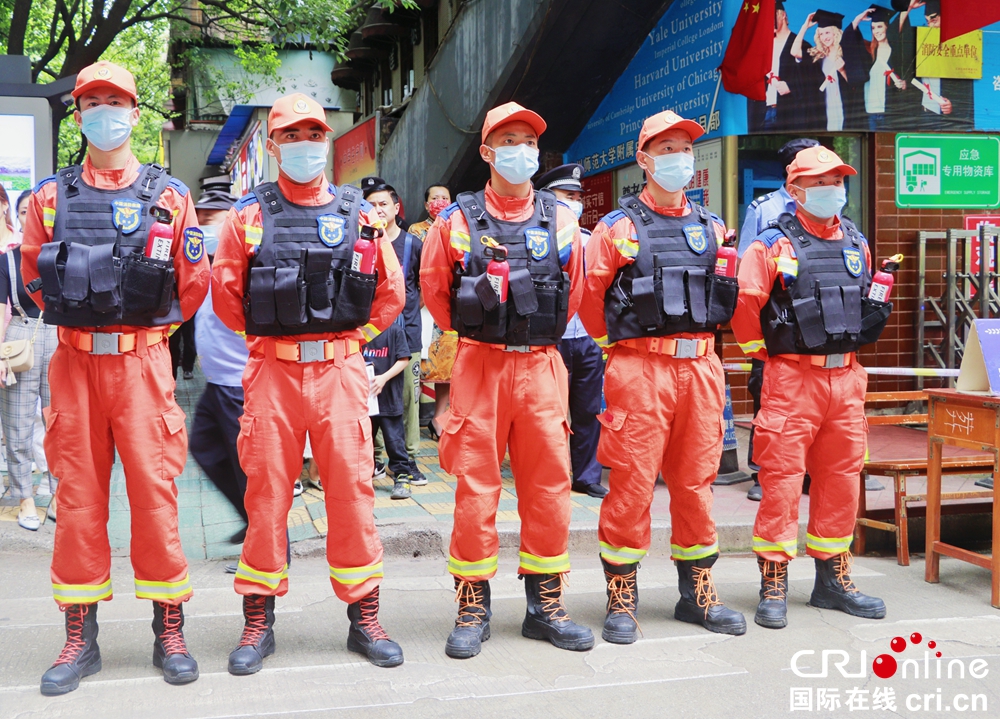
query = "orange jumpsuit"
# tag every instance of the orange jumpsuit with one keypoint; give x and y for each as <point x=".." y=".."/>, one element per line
<point x="664" y="416"/>
<point x="501" y="399"/>
<point x="285" y="400"/>
<point x="126" y="402"/>
<point x="811" y="419"/>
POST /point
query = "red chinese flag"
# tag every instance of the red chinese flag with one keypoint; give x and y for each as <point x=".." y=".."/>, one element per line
<point x="961" y="16"/>
<point x="748" y="56"/>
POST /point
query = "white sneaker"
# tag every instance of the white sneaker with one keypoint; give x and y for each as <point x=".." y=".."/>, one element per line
<point x="34" y="467"/>
<point x="43" y="489"/>
<point x="297" y="490"/>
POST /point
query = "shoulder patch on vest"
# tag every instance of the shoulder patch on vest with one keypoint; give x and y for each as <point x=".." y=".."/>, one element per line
<point x="331" y="229"/>
<point x="537" y="241"/>
<point x="246" y="201"/>
<point x="694" y="233"/>
<point x="853" y="261"/>
<point x="194" y="244"/>
<point x="448" y="211"/>
<point x="178" y="186"/>
<point x="42" y="183"/>
<point x="127" y="214"/>
<point x="769" y="236"/>
<point x="612" y="217"/>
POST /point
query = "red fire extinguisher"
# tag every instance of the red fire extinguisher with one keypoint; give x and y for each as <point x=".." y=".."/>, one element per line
<point x="498" y="271"/>
<point x="725" y="257"/>
<point x="364" y="251"/>
<point x="882" y="281"/>
<point x="161" y="235"/>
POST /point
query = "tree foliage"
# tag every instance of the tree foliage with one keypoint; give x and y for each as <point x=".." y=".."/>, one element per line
<point x="63" y="36"/>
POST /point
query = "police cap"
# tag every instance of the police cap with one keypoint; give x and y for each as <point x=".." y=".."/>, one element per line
<point x="564" y="177"/>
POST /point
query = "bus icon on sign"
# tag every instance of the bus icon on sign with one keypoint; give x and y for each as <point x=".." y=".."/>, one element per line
<point x="921" y="173"/>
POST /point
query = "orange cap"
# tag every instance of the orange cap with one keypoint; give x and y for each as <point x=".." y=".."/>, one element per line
<point x="104" y="74"/>
<point x="817" y="160"/>
<point x="294" y="108"/>
<point x="667" y="120"/>
<point x="512" y="112"/>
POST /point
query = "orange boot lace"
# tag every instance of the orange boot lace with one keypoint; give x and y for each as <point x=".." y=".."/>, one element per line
<point x="775" y="576"/>
<point x="255" y="609"/>
<point x="74" y="633"/>
<point x="705" y="595"/>
<point x="471" y="609"/>
<point x="842" y="567"/>
<point x="369" y="617"/>
<point x="172" y="638"/>
<point x="621" y="595"/>
<point x="550" y="593"/>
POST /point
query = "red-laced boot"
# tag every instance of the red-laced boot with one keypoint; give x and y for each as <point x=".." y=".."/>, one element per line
<point x="170" y="652"/>
<point x="257" y="640"/>
<point x="80" y="657"/>
<point x="366" y="635"/>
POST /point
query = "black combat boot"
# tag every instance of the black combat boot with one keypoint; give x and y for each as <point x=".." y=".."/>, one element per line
<point x="772" y="611"/>
<point x="699" y="602"/>
<point x="257" y="640"/>
<point x="80" y="657"/>
<point x="472" y="627"/>
<point x="620" y="625"/>
<point x="366" y="635"/>
<point x="170" y="652"/>
<point x="547" y="618"/>
<point x="835" y="590"/>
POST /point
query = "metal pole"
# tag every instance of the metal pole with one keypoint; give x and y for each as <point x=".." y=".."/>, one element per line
<point x="921" y="292"/>
<point x="950" y="301"/>
<point x="985" y="255"/>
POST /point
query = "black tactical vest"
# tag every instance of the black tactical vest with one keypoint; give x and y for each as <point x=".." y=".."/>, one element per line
<point x="538" y="291"/>
<point x="671" y="285"/>
<point x="301" y="280"/>
<point x="826" y="310"/>
<point x="95" y="271"/>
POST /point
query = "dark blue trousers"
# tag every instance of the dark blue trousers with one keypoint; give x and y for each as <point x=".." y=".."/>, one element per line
<point x="212" y="441"/>
<point x="394" y="437"/>
<point x="585" y="365"/>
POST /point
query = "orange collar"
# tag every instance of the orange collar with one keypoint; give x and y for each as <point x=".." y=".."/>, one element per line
<point x="305" y="195"/>
<point x="647" y="199"/>
<point x="512" y="209"/>
<point x="824" y="232"/>
<point x="110" y="179"/>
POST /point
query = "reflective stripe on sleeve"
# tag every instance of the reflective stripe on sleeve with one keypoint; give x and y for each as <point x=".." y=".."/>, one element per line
<point x="459" y="240"/>
<point x="751" y="346"/>
<point x="49" y="216"/>
<point x="253" y="234"/>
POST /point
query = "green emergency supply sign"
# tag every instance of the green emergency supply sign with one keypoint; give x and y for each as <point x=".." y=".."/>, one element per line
<point x="948" y="171"/>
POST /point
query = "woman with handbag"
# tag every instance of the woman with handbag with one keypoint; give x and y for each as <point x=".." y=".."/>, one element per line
<point x="27" y="347"/>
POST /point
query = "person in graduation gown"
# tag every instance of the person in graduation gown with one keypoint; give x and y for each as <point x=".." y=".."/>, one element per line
<point x="881" y="57"/>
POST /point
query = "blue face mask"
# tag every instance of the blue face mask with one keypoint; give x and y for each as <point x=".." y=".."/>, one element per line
<point x="516" y="163"/>
<point x="211" y="240"/>
<point x="825" y="201"/>
<point x="674" y="171"/>
<point x="303" y="161"/>
<point x="107" y="127"/>
<point x="576" y="206"/>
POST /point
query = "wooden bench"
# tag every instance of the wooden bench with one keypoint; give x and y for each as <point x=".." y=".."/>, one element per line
<point x="907" y="462"/>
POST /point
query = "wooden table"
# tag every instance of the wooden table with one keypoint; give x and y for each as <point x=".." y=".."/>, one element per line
<point x="962" y="420"/>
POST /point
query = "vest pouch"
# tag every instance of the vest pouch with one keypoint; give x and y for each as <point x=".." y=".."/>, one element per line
<point x="874" y="316"/>
<point x="488" y="297"/>
<point x="697" y="296"/>
<point x="105" y="276"/>
<point x="319" y="283"/>
<point x="852" y="309"/>
<point x="51" y="268"/>
<point x="545" y="322"/>
<point x="494" y="312"/>
<point x="76" y="279"/>
<point x="646" y="303"/>
<point x="144" y="283"/>
<point x="468" y="310"/>
<point x="722" y="295"/>
<point x="523" y="292"/>
<point x="354" y="299"/>
<point x="674" y="291"/>
<point x="290" y="296"/>
<point x="809" y="320"/>
<point x="262" y="309"/>
<point x="834" y="316"/>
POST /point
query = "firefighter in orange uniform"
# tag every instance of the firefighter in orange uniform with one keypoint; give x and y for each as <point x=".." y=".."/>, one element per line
<point x="803" y="307"/>
<point x="653" y="299"/>
<point x="85" y="261"/>
<point x="283" y="274"/>
<point x="509" y="384"/>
